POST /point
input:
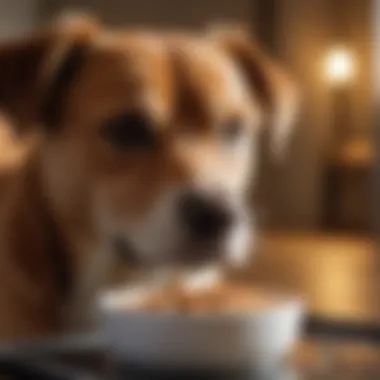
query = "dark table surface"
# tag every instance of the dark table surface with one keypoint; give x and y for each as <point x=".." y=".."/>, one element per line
<point x="328" y="351"/>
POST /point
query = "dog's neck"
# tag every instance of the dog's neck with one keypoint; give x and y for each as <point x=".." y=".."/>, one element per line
<point x="28" y="267"/>
<point x="41" y="268"/>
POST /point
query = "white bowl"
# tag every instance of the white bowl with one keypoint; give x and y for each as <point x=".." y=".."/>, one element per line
<point x="193" y="341"/>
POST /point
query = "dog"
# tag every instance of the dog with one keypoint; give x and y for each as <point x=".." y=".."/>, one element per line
<point x="144" y="144"/>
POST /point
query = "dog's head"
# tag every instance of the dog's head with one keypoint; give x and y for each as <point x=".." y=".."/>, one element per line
<point x="148" y="139"/>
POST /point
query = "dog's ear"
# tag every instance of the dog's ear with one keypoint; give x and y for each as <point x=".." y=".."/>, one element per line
<point x="270" y="84"/>
<point x="36" y="72"/>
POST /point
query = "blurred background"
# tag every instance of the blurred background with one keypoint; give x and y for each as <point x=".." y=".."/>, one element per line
<point x="317" y="210"/>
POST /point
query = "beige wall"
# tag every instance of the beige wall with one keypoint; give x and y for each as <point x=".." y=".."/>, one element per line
<point x="159" y="12"/>
<point x="17" y="16"/>
<point x="305" y="32"/>
<point x="360" y="31"/>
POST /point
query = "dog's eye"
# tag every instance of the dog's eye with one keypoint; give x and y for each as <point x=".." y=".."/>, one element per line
<point x="232" y="130"/>
<point x="130" y="131"/>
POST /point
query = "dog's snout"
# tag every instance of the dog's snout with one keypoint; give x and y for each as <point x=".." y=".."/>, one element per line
<point x="205" y="217"/>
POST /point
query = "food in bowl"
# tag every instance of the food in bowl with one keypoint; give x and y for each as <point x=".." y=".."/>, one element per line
<point x="221" y="298"/>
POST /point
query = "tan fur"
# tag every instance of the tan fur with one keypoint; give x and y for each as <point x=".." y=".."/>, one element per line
<point x="188" y="85"/>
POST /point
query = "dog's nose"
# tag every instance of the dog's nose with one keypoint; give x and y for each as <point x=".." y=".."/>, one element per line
<point x="205" y="217"/>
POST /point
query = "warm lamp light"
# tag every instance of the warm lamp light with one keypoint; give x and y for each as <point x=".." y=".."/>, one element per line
<point x="340" y="66"/>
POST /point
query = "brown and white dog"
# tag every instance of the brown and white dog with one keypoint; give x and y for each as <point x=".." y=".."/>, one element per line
<point x="142" y="140"/>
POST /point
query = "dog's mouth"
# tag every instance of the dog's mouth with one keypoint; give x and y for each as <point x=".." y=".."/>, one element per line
<point x="189" y="269"/>
<point x="191" y="254"/>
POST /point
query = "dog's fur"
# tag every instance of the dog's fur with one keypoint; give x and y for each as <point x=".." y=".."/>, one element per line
<point x="76" y="190"/>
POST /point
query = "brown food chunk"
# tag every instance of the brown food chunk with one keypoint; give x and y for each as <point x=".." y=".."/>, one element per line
<point x="218" y="299"/>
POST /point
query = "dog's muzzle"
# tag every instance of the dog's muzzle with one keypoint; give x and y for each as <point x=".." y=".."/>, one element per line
<point x="204" y="231"/>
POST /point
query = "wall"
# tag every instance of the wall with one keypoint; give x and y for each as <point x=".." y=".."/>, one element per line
<point x="304" y="27"/>
<point x="17" y="16"/>
<point x="304" y="32"/>
<point x="375" y="71"/>
<point x="173" y="13"/>
<point x="360" y="33"/>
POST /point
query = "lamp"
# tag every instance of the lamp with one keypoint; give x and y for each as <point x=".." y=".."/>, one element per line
<point x="339" y="66"/>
